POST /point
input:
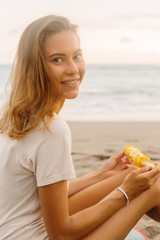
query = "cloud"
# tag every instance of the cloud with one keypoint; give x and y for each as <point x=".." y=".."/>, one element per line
<point x="125" y="21"/>
<point x="13" y="32"/>
<point x="137" y="16"/>
<point x="104" y="25"/>
<point x="125" y="40"/>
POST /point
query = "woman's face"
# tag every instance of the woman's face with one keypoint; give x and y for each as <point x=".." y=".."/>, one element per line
<point x="64" y="58"/>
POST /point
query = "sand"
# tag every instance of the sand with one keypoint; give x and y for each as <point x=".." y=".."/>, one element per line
<point x="94" y="142"/>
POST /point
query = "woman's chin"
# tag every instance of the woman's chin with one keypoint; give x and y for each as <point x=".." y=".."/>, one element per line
<point x="71" y="95"/>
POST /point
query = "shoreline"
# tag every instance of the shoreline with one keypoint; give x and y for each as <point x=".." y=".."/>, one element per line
<point x="113" y="117"/>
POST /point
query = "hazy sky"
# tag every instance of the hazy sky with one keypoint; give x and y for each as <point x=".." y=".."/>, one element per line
<point x="111" y="31"/>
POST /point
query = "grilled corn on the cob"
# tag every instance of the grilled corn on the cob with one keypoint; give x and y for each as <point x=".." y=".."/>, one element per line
<point x="137" y="157"/>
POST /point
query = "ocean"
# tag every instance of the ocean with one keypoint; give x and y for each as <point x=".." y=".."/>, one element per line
<point x="111" y="92"/>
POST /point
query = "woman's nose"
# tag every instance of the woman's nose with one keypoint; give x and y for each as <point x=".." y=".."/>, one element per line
<point x="72" y="68"/>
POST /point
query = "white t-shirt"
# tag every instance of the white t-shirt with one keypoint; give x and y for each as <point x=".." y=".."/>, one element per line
<point x="41" y="158"/>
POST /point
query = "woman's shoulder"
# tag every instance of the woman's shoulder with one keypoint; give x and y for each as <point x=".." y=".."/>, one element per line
<point x="58" y="124"/>
<point x="57" y="130"/>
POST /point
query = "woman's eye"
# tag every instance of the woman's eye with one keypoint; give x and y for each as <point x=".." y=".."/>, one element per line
<point x="78" y="56"/>
<point x="57" y="60"/>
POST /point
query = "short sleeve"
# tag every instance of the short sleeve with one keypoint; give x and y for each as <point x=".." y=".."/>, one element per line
<point x="47" y="154"/>
<point x="54" y="160"/>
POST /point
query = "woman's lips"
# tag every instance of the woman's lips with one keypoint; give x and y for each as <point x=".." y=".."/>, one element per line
<point x="71" y="83"/>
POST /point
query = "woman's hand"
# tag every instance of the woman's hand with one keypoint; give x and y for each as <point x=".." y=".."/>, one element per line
<point x="116" y="164"/>
<point x="140" y="180"/>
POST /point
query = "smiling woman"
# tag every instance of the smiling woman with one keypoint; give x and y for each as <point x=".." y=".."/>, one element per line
<point x="65" y="60"/>
<point x="38" y="200"/>
<point x="49" y="63"/>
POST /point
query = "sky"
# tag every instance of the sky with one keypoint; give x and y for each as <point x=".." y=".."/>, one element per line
<point x="111" y="31"/>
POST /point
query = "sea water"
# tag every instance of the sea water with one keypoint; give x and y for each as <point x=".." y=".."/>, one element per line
<point x="111" y="92"/>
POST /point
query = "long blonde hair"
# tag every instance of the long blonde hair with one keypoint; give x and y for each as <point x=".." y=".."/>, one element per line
<point x="34" y="93"/>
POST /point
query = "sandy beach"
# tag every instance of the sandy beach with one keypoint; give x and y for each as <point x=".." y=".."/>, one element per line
<point x="94" y="142"/>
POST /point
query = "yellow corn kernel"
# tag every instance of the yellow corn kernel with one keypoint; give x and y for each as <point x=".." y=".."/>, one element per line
<point x="137" y="157"/>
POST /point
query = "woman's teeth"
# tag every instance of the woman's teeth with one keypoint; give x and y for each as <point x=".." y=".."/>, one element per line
<point x="70" y="82"/>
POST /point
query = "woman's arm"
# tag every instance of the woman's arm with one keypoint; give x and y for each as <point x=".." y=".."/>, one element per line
<point x="55" y="209"/>
<point x="96" y="192"/>
<point x="113" y="165"/>
<point x="59" y="225"/>
<point x="85" y="181"/>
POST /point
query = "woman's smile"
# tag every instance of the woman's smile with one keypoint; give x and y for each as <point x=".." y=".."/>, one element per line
<point x="71" y="83"/>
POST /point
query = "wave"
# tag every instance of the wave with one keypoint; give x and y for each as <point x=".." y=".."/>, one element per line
<point x="111" y="89"/>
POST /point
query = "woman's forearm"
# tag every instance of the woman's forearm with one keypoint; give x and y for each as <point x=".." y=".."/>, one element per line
<point x="62" y="225"/>
<point x="96" y="192"/>
<point x="85" y="221"/>
<point x="85" y="181"/>
<point x="90" y="179"/>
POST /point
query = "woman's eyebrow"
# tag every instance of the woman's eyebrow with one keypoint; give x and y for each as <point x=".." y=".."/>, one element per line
<point x="55" y="54"/>
<point x="63" y="54"/>
<point x="79" y="50"/>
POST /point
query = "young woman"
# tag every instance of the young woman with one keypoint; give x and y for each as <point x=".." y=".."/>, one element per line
<point x="38" y="201"/>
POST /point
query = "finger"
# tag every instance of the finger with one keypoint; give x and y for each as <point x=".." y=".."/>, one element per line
<point x="126" y="160"/>
<point x="156" y="164"/>
<point x="131" y="165"/>
<point x="153" y="180"/>
<point x="126" y="166"/>
<point x="154" y="172"/>
<point x="156" y="177"/>
<point x="123" y="167"/>
<point x="118" y="156"/>
<point x="142" y="170"/>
